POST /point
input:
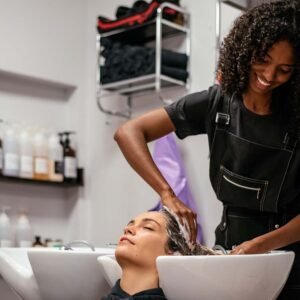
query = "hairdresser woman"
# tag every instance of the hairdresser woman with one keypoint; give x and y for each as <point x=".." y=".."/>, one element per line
<point x="252" y="120"/>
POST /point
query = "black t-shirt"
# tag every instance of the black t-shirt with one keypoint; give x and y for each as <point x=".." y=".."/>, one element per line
<point x="151" y="294"/>
<point x="195" y="114"/>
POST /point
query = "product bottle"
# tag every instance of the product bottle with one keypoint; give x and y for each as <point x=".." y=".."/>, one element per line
<point x="40" y="160"/>
<point x="70" y="162"/>
<point x="11" y="152"/>
<point x="61" y="138"/>
<point x="5" y="228"/>
<point x="55" y="154"/>
<point x="23" y="230"/>
<point x="1" y="147"/>
<point x="26" y="154"/>
<point x="37" y="242"/>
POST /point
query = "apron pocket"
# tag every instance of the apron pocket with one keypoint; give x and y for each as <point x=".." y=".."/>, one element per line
<point x="236" y="190"/>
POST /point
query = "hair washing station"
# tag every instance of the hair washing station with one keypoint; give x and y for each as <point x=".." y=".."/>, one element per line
<point x="227" y="277"/>
<point x="44" y="274"/>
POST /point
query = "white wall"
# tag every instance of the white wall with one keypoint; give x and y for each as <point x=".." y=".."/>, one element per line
<point x="42" y="51"/>
<point x="55" y="40"/>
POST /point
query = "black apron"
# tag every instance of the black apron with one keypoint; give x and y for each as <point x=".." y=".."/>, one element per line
<point x="247" y="178"/>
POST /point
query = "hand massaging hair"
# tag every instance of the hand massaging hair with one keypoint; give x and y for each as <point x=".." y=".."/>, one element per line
<point x="179" y="237"/>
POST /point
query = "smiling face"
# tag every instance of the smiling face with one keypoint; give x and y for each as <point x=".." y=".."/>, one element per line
<point x="144" y="239"/>
<point x="274" y="70"/>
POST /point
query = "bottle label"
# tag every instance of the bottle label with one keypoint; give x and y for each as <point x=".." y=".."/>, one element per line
<point x="70" y="167"/>
<point x="41" y="165"/>
<point x="26" y="164"/>
<point x="11" y="161"/>
<point x="1" y="158"/>
<point x="58" y="167"/>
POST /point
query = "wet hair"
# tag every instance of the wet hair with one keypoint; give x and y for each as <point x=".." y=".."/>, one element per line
<point x="251" y="37"/>
<point x="178" y="242"/>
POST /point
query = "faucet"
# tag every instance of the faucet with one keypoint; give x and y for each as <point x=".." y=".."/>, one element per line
<point x="220" y="248"/>
<point x="77" y="242"/>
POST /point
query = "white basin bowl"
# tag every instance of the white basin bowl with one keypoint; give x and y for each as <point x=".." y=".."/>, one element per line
<point x="228" y="277"/>
<point x="110" y="269"/>
<point x="16" y="270"/>
<point x="52" y="274"/>
<point x="69" y="275"/>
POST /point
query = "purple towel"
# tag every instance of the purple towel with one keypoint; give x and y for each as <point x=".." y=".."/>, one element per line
<point x="167" y="157"/>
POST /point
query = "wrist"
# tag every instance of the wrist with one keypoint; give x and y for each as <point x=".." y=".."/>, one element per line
<point x="166" y="193"/>
<point x="260" y="245"/>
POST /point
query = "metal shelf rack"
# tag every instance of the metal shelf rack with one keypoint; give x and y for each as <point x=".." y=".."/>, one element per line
<point x="154" y="30"/>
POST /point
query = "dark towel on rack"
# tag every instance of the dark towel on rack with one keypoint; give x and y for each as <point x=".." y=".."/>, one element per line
<point x="168" y="57"/>
<point x="126" y="61"/>
<point x="175" y="73"/>
<point x="174" y="59"/>
<point x="109" y="75"/>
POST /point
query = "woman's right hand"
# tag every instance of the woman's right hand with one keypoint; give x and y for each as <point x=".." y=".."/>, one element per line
<point x="169" y="199"/>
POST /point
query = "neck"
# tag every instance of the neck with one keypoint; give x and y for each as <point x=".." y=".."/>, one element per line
<point x="258" y="104"/>
<point x="136" y="279"/>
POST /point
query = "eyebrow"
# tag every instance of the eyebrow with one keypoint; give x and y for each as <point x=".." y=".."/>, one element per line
<point x="144" y="221"/>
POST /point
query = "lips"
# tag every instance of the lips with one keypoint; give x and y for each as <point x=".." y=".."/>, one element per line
<point x="125" y="239"/>
<point x="262" y="84"/>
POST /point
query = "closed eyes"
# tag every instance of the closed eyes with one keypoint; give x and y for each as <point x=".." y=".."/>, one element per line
<point x="148" y="228"/>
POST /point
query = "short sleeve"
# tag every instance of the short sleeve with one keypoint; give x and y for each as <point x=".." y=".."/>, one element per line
<point x="190" y="114"/>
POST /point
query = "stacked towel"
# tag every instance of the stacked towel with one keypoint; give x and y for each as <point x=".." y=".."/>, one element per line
<point x="127" y="61"/>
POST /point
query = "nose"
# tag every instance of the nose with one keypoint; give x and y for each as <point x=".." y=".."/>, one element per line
<point x="269" y="73"/>
<point x="129" y="230"/>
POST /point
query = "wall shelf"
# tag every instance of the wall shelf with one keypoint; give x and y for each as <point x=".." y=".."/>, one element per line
<point x="78" y="183"/>
<point x="27" y="84"/>
<point x="138" y="84"/>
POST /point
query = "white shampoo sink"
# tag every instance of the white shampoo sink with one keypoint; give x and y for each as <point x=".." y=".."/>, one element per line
<point x="226" y="277"/>
<point x="52" y="274"/>
<point x="68" y="274"/>
<point x="16" y="270"/>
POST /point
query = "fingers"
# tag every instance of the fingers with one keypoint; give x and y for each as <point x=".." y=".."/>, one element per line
<point x="192" y="220"/>
<point x="187" y="218"/>
<point x="237" y="251"/>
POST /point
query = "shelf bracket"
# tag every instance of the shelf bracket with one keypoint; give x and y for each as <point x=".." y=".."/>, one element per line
<point x="123" y="114"/>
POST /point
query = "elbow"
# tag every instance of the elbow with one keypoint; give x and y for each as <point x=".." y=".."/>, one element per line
<point x="129" y="132"/>
<point x="121" y="133"/>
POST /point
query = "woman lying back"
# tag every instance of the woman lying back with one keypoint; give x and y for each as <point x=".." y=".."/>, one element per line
<point x="146" y="237"/>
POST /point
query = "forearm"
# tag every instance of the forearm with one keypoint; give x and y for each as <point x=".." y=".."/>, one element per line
<point x="134" y="148"/>
<point x="281" y="237"/>
<point x="278" y="238"/>
<point x="133" y="138"/>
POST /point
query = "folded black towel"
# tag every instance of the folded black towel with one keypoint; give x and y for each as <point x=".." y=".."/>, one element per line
<point x="169" y="58"/>
<point x="126" y="61"/>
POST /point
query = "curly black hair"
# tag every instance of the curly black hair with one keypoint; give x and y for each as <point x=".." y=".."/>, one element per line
<point x="250" y="38"/>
